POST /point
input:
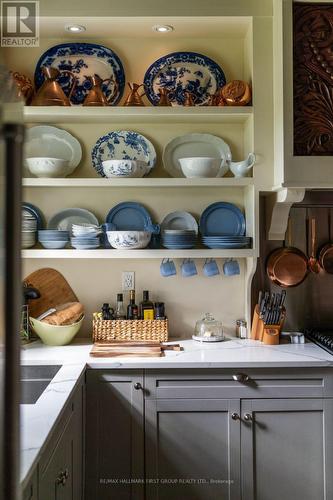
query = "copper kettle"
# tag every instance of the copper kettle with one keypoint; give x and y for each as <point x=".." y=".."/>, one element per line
<point x="134" y="98"/>
<point x="96" y="96"/>
<point x="164" y="97"/>
<point x="51" y="93"/>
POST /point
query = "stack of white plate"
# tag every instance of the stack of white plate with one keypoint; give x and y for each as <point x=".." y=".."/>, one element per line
<point x="179" y="238"/>
<point x="28" y="230"/>
<point x="85" y="236"/>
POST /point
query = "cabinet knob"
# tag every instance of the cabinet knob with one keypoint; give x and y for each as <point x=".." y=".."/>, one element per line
<point x="235" y="416"/>
<point x="137" y="386"/>
<point x="61" y="479"/>
<point x="242" y="378"/>
<point x="248" y="417"/>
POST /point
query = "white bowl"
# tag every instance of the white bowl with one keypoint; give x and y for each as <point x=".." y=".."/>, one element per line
<point x="125" y="168"/>
<point x="203" y="167"/>
<point x="48" y="167"/>
<point x="127" y="240"/>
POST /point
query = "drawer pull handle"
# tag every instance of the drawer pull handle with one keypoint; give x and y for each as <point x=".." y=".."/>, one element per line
<point x="62" y="477"/>
<point x="248" y="417"/>
<point x="137" y="386"/>
<point x="242" y="378"/>
<point x="235" y="416"/>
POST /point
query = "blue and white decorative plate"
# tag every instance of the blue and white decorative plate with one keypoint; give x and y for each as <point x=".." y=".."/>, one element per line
<point x="184" y="71"/>
<point x="122" y="145"/>
<point x="221" y="219"/>
<point x="84" y="59"/>
<point x="35" y="212"/>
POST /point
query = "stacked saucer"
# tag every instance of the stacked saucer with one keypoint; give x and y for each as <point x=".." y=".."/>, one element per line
<point x="179" y="238"/>
<point x="85" y="236"/>
<point x="28" y="229"/>
<point x="225" y="242"/>
<point x="53" y="239"/>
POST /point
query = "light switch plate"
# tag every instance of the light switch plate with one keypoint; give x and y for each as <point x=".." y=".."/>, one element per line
<point x="128" y="280"/>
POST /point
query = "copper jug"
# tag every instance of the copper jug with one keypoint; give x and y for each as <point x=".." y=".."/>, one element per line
<point x="25" y="89"/>
<point x="96" y="96"/>
<point x="164" y="97"/>
<point x="189" y="99"/>
<point x="51" y="93"/>
<point x="134" y="98"/>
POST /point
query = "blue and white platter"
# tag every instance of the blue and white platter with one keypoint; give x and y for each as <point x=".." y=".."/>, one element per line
<point x="83" y="60"/>
<point x="122" y="145"/>
<point x="222" y="219"/>
<point x="131" y="216"/>
<point x="182" y="72"/>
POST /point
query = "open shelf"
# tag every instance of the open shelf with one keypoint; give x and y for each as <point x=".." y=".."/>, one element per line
<point x="136" y="254"/>
<point x="144" y="182"/>
<point x="147" y="114"/>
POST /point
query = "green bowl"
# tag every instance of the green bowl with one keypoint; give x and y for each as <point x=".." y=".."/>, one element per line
<point x="54" y="334"/>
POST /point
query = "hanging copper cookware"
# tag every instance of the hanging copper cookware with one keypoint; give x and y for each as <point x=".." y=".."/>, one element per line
<point x="313" y="263"/>
<point x="326" y="252"/>
<point x="287" y="266"/>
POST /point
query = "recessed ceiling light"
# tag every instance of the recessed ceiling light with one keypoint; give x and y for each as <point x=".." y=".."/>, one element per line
<point x="75" y="28"/>
<point x="163" y="28"/>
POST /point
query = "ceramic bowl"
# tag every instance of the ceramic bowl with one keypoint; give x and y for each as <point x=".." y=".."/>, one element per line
<point x="48" y="167"/>
<point x="53" y="244"/>
<point x="53" y="334"/>
<point x="127" y="240"/>
<point x="201" y="167"/>
<point x="124" y="168"/>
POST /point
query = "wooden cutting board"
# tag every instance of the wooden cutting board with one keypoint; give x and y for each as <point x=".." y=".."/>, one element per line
<point x="54" y="290"/>
<point x="125" y="351"/>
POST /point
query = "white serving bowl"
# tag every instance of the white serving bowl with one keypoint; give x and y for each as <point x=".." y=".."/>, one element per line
<point x="203" y="167"/>
<point x="48" y="167"/>
<point x="127" y="240"/>
<point x="124" y="168"/>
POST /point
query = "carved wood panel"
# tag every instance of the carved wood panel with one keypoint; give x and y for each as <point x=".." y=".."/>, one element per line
<point x="313" y="79"/>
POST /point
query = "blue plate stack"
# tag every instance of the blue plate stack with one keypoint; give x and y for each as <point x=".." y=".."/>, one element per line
<point x="179" y="238"/>
<point x="222" y="225"/>
<point x="53" y="239"/>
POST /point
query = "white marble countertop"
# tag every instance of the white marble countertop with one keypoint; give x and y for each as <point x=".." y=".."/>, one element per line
<point x="38" y="420"/>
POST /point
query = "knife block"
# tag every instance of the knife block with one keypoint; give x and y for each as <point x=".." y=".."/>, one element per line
<point x="268" y="334"/>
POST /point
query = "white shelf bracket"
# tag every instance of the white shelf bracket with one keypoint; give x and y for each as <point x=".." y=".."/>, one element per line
<point x="277" y="210"/>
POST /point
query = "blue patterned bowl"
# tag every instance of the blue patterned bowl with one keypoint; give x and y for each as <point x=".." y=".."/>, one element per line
<point x="124" y="168"/>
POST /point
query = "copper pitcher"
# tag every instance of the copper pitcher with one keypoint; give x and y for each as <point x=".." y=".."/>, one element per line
<point x="25" y="89"/>
<point x="134" y="98"/>
<point x="96" y="96"/>
<point x="189" y="99"/>
<point x="51" y="93"/>
<point x="164" y="97"/>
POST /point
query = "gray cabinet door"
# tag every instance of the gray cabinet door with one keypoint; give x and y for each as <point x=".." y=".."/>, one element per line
<point x="192" y="449"/>
<point x="287" y="449"/>
<point x="31" y="490"/>
<point x="114" y="435"/>
<point x="56" y="476"/>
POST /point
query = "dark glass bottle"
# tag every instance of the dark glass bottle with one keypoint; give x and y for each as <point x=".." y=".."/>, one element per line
<point x="132" y="308"/>
<point x="146" y="307"/>
<point x="107" y="311"/>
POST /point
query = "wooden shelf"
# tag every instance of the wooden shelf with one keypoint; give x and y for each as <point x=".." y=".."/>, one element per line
<point x="148" y="114"/>
<point x="145" y="182"/>
<point x="136" y="254"/>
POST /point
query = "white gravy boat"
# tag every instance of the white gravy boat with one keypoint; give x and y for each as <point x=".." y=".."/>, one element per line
<point x="240" y="168"/>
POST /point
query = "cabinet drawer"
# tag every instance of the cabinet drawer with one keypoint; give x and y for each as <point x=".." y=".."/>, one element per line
<point x="247" y="383"/>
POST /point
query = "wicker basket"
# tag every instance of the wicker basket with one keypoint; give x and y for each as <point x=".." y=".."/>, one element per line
<point x="130" y="329"/>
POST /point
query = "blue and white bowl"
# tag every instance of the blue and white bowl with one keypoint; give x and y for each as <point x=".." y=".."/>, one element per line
<point x="54" y="244"/>
<point x="128" y="240"/>
<point x="125" y="168"/>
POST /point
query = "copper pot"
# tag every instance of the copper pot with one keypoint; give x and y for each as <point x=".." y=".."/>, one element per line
<point x="236" y="93"/>
<point x="287" y="266"/>
<point x="326" y="253"/>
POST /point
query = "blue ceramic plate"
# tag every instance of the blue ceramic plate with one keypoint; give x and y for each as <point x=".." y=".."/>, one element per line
<point x="184" y="71"/>
<point x="122" y="145"/>
<point x="83" y="60"/>
<point x="35" y="212"/>
<point x="222" y="219"/>
<point x="64" y="219"/>
<point x="129" y="216"/>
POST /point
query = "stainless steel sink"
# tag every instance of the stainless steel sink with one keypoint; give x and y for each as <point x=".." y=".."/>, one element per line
<point x="34" y="381"/>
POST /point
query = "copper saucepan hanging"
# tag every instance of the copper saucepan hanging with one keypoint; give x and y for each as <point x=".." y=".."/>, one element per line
<point x="326" y="253"/>
<point x="287" y="266"/>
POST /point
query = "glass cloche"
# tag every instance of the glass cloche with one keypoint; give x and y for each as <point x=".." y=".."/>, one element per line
<point x="208" y="329"/>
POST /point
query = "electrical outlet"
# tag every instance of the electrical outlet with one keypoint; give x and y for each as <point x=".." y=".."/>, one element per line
<point x="128" y="280"/>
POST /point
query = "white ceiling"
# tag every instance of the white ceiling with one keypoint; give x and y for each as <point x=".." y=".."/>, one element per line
<point x="131" y="27"/>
